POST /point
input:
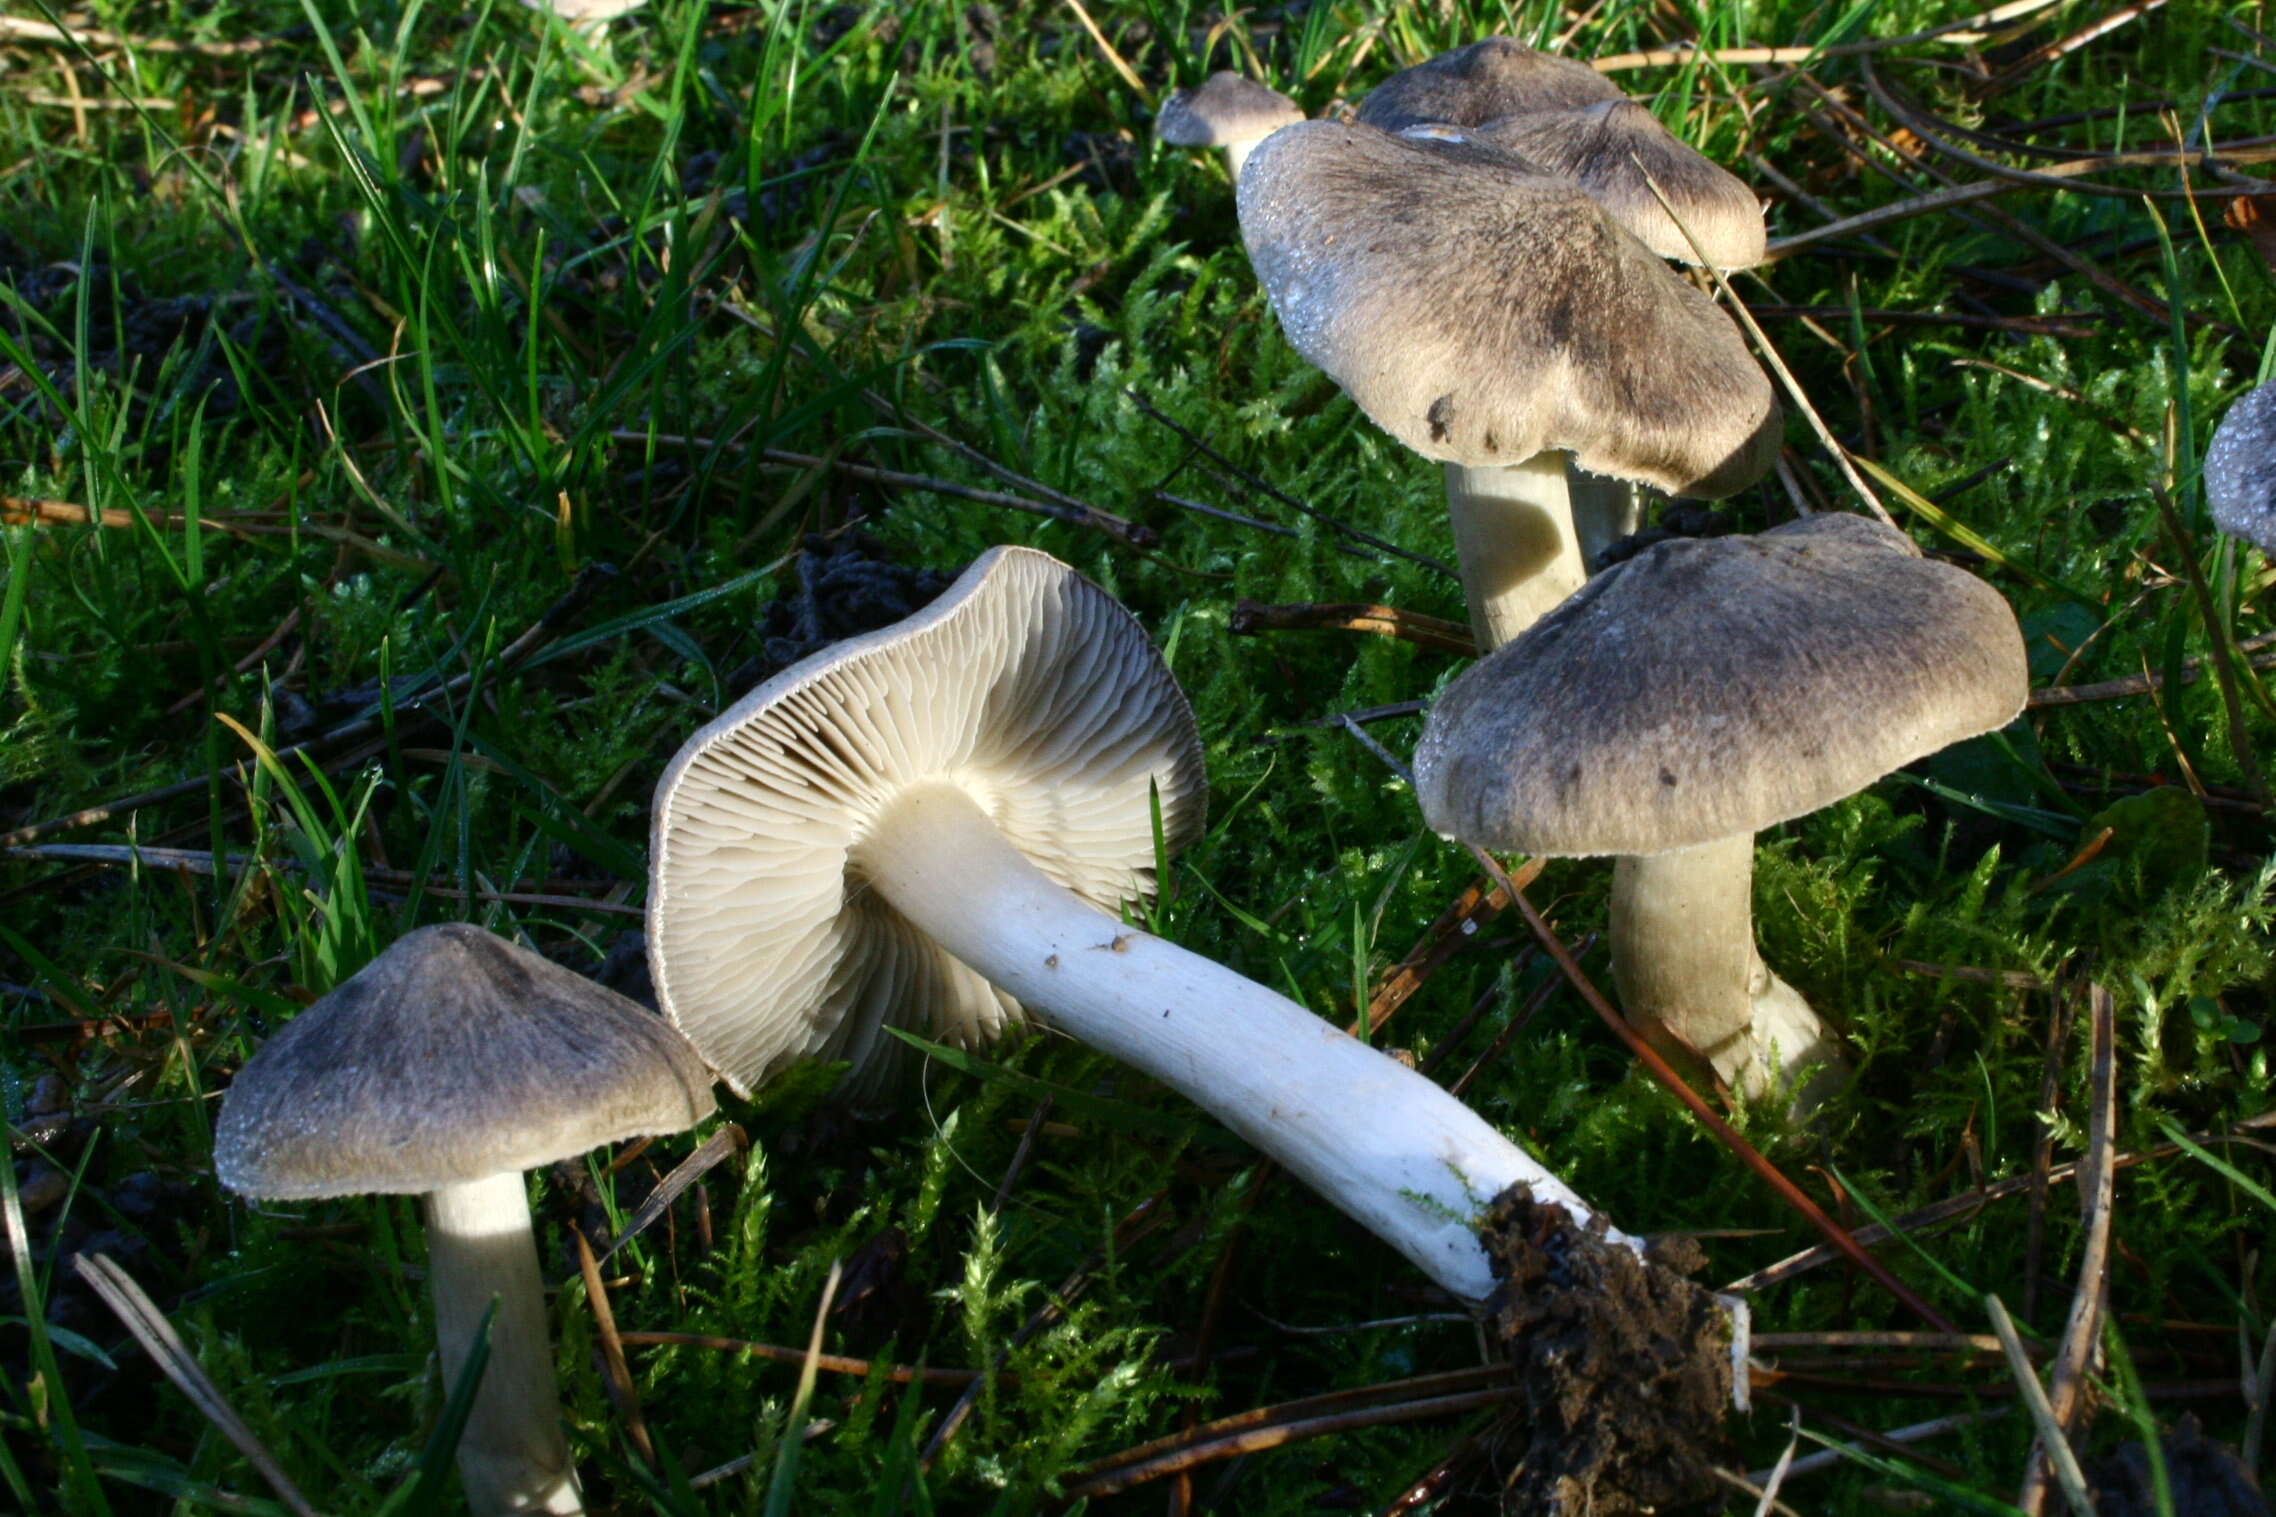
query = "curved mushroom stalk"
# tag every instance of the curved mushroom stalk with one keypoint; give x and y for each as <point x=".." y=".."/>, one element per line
<point x="1415" y="1173"/>
<point x="1684" y="962"/>
<point x="512" y="1455"/>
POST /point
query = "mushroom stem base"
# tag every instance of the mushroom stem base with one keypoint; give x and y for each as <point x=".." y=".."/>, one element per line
<point x="512" y="1456"/>
<point x="1515" y="543"/>
<point x="1684" y="962"/>
<point x="1382" y="1143"/>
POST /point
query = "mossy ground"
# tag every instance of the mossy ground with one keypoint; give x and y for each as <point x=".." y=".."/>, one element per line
<point x="342" y="340"/>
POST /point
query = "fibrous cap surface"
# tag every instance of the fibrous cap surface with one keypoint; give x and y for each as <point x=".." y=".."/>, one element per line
<point x="2240" y="470"/>
<point x="1228" y="108"/>
<point x="1498" y="76"/>
<point x="1617" y="151"/>
<point x="1482" y="312"/>
<point x="1026" y="685"/>
<point x="452" y="1056"/>
<point x="1715" y="686"/>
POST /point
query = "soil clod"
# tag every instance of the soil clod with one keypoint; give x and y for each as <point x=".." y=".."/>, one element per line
<point x="1624" y="1367"/>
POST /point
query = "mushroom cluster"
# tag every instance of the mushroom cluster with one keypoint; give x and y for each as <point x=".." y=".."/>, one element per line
<point x="1478" y="261"/>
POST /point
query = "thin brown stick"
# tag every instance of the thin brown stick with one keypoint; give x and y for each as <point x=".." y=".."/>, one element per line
<point x="1958" y="1208"/>
<point x="22" y="30"/>
<point x="1459" y="923"/>
<point x="2082" y="1332"/>
<point x="622" y="1392"/>
<point x="2040" y="57"/>
<point x="775" y="1353"/>
<point x="1250" y="617"/>
<point x="2012" y="979"/>
<point x="1164" y="1456"/>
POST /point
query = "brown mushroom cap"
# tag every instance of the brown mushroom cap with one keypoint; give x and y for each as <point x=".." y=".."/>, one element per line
<point x="1499" y="76"/>
<point x="1025" y="685"/>
<point x="2240" y="470"/>
<point x="1713" y="687"/>
<point x="1481" y="312"/>
<point x="1617" y="151"/>
<point x="453" y="1056"/>
<point x="1226" y="109"/>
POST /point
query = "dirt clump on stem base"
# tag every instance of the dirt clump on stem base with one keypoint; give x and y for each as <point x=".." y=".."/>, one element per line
<point x="1623" y="1364"/>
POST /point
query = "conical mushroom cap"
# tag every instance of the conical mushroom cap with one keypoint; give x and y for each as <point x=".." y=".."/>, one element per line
<point x="1482" y="313"/>
<point x="1715" y="686"/>
<point x="2240" y="470"/>
<point x="453" y="1056"/>
<point x="1227" y="108"/>
<point x="1617" y="150"/>
<point x="1025" y="684"/>
<point x="1499" y="76"/>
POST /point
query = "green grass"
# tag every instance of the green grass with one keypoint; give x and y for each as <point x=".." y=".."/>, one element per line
<point x="390" y="328"/>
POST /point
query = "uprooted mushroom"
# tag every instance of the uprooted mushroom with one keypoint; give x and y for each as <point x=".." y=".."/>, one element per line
<point x="942" y="820"/>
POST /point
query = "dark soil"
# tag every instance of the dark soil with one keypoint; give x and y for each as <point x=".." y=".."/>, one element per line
<point x="1623" y="1365"/>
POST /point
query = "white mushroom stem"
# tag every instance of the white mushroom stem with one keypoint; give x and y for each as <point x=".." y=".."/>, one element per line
<point x="512" y="1456"/>
<point x="1604" y="511"/>
<point x="1390" y="1148"/>
<point x="1236" y="154"/>
<point x="1684" y="962"/>
<point x="1514" y="542"/>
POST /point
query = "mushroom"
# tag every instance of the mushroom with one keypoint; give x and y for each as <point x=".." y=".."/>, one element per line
<point x="2240" y="470"/>
<point x="1566" y="119"/>
<point x="1687" y="699"/>
<point x="929" y="821"/>
<point x="1498" y="319"/>
<point x="1489" y="79"/>
<point x="1228" y="111"/>
<point x="445" y="1067"/>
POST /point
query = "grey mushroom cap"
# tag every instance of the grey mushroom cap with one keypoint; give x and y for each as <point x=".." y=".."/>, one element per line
<point x="453" y="1056"/>
<point x="2240" y="470"/>
<point x="1228" y="108"/>
<point x="1023" y="683"/>
<point x="1498" y="76"/>
<point x="1617" y="151"/>
<point x="1713" y="687"/>
<point x="1482" y="313"/>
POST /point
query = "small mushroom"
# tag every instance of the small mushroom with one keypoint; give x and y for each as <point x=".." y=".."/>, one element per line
<point x="1500" y="320"/>
<point x="1686" y="699"/>
<point x="450" y="1064"/>
<point x="2240" y="470"/>
<point x="1228" y="111"/>
<point x="926" y="822"/>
